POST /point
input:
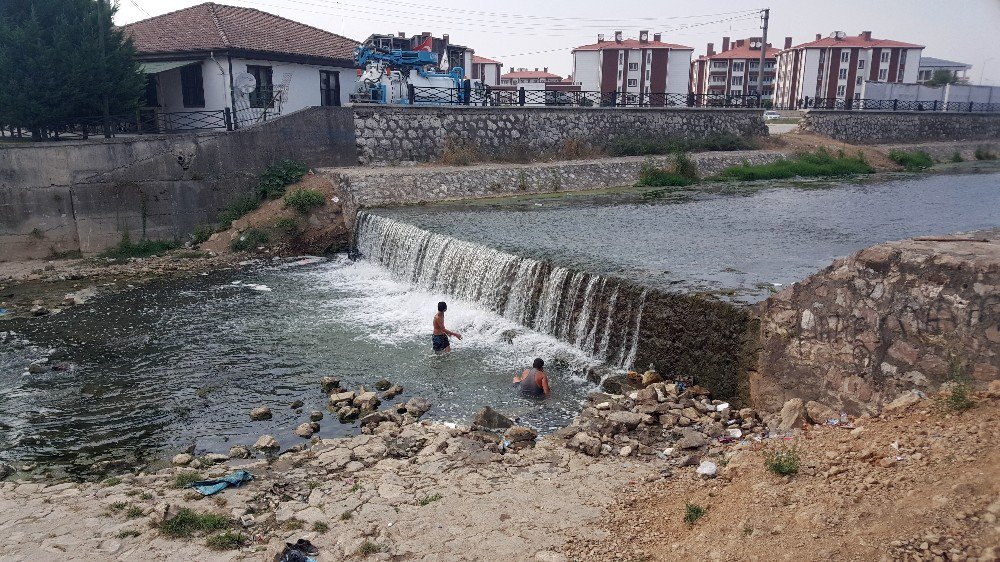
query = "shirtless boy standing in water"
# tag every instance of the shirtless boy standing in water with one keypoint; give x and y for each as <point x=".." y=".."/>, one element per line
<point x="440" y="338"/>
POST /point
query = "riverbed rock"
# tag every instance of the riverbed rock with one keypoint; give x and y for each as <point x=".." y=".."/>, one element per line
<point x="216" y="458"/>
<point x="630" y="420"/>
<point x="520" y="437"/>
<point x="295" y="405"/>
<point x="348" y="413"/>
<point x="376" y="418"/>
<point x="417" y="407"/>
<point x="489" y="418"/>
<point x="585" y="443"/>
<point x="239" y="452"/>
<point x="260" y="413"/>
<point x="793" y="414"/>
<point x="819" y="413"/>
<point x="266" y="443"/>
<point x="904" y="401"/>
<point x="650" y="377"/>
<point x="304" y="430"/>
<point x="37" y="368"/>
<point x="691" y="439"/>
<point x="39" y="310"/>
<point x="392" y="392"/>
<point x="619" y="384"/>
<point x="329" y="384"/>
<point x="405" y="447"/>
<point x="366" y="401"/>
<point x="338" y="398"/>
<point x="315" y="415"/>
<point x="5" y="471"/>
<point x="383" y="385"/>
<point x="182" y="459"/>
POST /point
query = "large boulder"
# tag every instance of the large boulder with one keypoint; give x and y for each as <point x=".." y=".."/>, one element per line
<point x="392" y="392"/>
<point x="619" y="384"/>
<point x="520" y="437"/>
<point x="338" y="398"/>
<point x="366" y="401"/>
<point x="266" y="443"/>
<point x="5" y="471"/>
<point x="239" y="452"/>
<point x="793" y="414"/>
<point x="630" y="420"/>
<point x="691" y="439"/>
<point x="304" y="430"/>
<point x="260" y="413"/>
<point x="819" y="413"/>
<point x="383" y="385"/>
<point x="904" y="401"/>
<point x="182" y="459"/>
<point x="489" y="418"/>
<point x="329" y="384"/>
<point x="417" y="407"/>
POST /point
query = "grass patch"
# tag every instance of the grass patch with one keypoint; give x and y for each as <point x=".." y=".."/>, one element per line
<point x="184" y="478"/>
<point x="303" y="200"/>
<point x="113" y="481"/>
<point x="250" y="239"/>
<point x="293" y="524"/>
<point x="128" y="533"/>
<point x="958" y="398"/>
<point x="146" y="496"/>
<point x="355" y="488"/>
<point x="346" y="516"/>
<point x="288" y="225"/>
<point x="277" y="177"/>
<point x="985" y="154"/>
<point x="693" y="512"/>
<point x="144" y="248"/>
<point x="430" y="499"/>
<point x="320" y="527"/>
<point x="957" y="157"/>
<point x="117" y="506"/>
<point x="134" y="512"/>
<point x="816" y="164"/>
<point x="682" y="173"/>
<point x="229" y="540"/>
<point x="202" y="234"/>
<point x="368" y="548"/>
<point x="238" y="209"/>
<point x="187" y="522"/>
<point x="639" y="146"/>
<point x="912" y="161"/>
<point x="189" y="255"/>
<point x="784" y="461"/>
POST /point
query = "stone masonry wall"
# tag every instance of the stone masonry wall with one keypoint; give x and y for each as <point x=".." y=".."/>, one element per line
<point x="875" y="127"/>
<point x="420" y="134"/>
<point x="893" y="317"/>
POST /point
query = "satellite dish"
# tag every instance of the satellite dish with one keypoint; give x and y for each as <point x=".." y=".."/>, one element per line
<point x="245" y="82"/>
<point x="841" y="35"/>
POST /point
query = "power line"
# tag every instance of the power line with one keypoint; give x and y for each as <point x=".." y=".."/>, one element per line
<point x="136" y="4"/>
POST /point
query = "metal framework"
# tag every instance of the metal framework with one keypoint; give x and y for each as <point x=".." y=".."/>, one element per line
<point x="141" y="123"/>
<point x="488" y="97"/>
<point x="841" y="104"/>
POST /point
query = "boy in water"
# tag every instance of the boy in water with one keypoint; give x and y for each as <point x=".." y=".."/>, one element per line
<point x="533" y="382"/>
<point x="440" y="338"/>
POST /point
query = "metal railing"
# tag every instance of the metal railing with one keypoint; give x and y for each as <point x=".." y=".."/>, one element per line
<point x="143" y="122"/>
<point x="896" y="105"/>
<point x="490" y="97"/>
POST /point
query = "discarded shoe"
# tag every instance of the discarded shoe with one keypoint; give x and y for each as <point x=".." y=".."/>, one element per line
<point x="305" y="546"/>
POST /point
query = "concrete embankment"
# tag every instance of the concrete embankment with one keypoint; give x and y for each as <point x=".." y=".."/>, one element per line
<point x="883" y="127"/>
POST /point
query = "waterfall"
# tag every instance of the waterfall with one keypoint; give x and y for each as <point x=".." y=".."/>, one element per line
<point x="599" y="315"/>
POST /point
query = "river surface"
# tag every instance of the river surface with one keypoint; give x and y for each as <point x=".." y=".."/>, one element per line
<point x="738" y="242"/>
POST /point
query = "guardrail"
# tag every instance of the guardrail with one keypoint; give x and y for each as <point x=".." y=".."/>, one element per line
<point x="143" y="122"/>
<point x="897" y="105"/>
<point x="496" y="97"/>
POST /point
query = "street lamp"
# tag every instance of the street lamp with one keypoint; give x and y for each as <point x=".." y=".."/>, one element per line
<point x="983" y="69"/>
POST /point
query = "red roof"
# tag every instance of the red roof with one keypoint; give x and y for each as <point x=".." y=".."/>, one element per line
<point x="524" y="74"/>
<point x="215" y="27"/>
<point x="632" y="44"/>
<point x="476" y="59"/>
<point x="856" y="41"/>
<point x="744" y="52"/>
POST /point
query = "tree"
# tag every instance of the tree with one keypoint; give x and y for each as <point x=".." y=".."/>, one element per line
<point x="52" y="69"/>
<point x="942" y="77"/>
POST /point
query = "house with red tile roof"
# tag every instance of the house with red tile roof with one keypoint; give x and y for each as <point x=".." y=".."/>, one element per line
<point x="486" y="70"/>
<point x="523" y="76"/>
<point x="213" y="57"/>
<point x="735" y="69"/>
<point x="839" y="66"/>
<point x="632" y="66"/>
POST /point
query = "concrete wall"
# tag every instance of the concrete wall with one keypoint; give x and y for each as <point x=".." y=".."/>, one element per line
<point x="951" y="93"/>
<point x="421" y="133"/>
<point x="83" y="196"/>
<point x="887" y="319"/>
<point x="873" y="127"/>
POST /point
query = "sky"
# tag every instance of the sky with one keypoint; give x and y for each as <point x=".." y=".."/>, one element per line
<point x="532" y="33"/>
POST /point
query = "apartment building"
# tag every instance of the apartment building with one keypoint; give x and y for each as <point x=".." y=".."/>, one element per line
<point x="486" y="70"/>
<point x="735" y="69"/>
<point x="838" y="66"/>
<point x="633" y="66"/>
<point x="525" y="76"/>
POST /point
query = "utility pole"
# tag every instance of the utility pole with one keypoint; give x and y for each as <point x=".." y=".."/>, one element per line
<point x="101" y="32"/>
<point x="766" y="13"/>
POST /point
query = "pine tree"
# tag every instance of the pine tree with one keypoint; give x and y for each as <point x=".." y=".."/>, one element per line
<point x="51" y="65"/>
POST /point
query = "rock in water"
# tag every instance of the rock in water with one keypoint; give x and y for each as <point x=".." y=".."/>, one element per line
<point x="266" y="443"/>
<point x="341" y="397"/>
<point x="329" y="384"/>
<point x="182" y="459"/>
<point x="216" y="458"/>
<point x="260" y="414"/>
<point x="819" y="413"/>
<point x="394" y="391"/>
<point x="304" y="431"/>
<point x="296" y="404"/>
<point x="367" y="401"/>
<point x="383" y="385"/>
<point x="520" y="437"/>
<point x="315" y="415"/>
<point x="793" y="414"/>
<point x="5" y="471"/>
<point x="239" y="452"/>
<point x="37" y="368"/>
<point x="491" y="419"/>
<point x="347" y="414"/>
<point x="417" y="407"/>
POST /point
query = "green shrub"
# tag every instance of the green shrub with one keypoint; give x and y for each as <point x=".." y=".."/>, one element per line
<point x="320" y="527"/>
<point x="184" y="478"/>
<point x="144" y="248"/>
<point x="693" y="512"/>
<point x="957" y="157"/>
<point x="302" y="200"/>
<point x="277" y="177"/>
<point x="202" y="234"/>
<point x="958" y="398"/>
<point x="912" y="161"/>
<point x="134" y="512"/>
<point x="640" y="146"/>
<point x="784" y="461"/>
<point x="250" y="239"/>
<point x="188" y="522"/>
<point x="985" y="154"/>
<point x="113" y="481"/>
<point x="651" y="176"/>
<point x="229" y="540"/>
<point x="816" y="164"/>
<point x="368" y="548"/>
<point x="238" y="209"/>
<point x="685" y="167"/>
<point x="288" y="225"/>
<point x="430" y="499"/>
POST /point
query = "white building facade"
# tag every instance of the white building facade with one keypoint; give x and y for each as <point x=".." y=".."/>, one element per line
<point x="632" y="66"/>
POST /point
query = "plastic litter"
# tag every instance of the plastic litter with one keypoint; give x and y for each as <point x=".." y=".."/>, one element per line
<point x="216" y="485"/>
<point x="707" y="468"/>
<point x="721" y="407"/>
<point x="734" y="433"/>
<point x="3" y="311"/>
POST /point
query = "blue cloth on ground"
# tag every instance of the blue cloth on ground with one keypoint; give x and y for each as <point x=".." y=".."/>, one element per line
<point x="216" y="485"/>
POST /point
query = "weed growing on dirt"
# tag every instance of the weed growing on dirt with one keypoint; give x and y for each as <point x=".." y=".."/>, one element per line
<point x="113" y="481"/>
<point x="237" y="209"/>
<point x="274" y="180"/>
<point x="320" y="527"/>
<point x="117" y="506"/>
<point x="134" y="512"/>
<point x="639" y="146"/>
<point x="293" y="524"/>
<point x="184" y="478"/>
<point x="957" y="157"/>
<point x="430" y="499"/>
<point x="288" y="225"/>
<point x="693" y="512"/>
<point x="144" y="248"/>
<point x="228" y="540"/>
<point x="985" y="154"/>
<point x="958" y="398"/>
<point x="368" y="548"/>
<point x="911" y="161"/>
<point x="784" y="461"/>
<point x="128" y="533"/>
<point x="346" y="516"/>
<point x="303" y="200"/>
<point x="188" y="522"/>
<point x="815" y="164"/>
<point x="202" y="234"/>
<point x="146" y="496"/>
<point x="248" y="240"/>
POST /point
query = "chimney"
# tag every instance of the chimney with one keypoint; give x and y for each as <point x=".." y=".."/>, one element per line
<point x="788" y="42"/>
<point x="867" y="35"/>
<point x="725" y="44"/>
<point x="644" y="36"/>
<point x="600" y="37"/>
<point x="445" y="38"/>
<point x="711" y="49"/>
<point x="546" y="69"/>
<point x="536" y="69"/>
<point x="401" y="34"/>
<point x="618" y="37"/>
<point x="425" y="33"/>
<point x="657" y="37"/>
<point x="819" y="36"/>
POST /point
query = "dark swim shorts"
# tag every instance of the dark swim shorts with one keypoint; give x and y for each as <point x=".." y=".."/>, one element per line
<point x="441" y="342"/>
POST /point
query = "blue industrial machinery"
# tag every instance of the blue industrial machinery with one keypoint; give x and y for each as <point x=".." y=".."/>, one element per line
<point x="389" y="76"/>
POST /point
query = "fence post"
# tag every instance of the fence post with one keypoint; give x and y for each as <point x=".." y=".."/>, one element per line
<point x="895" y="104"/>
<point x="520" y="96"/>
<point x="486" y="95"/>
<point x="935" y="105"/>
<point x="690" y="99"/>
<point x="970" y="107"/>
<point x="411" y="93"/>
<point x="227" y="114"/>
<point x="467" y="91"/>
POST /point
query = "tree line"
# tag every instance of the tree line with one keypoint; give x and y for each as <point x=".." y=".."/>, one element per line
<point x="55" y="69"/>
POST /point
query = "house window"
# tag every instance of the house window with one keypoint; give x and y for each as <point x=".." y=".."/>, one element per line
<point x="263" y="94"/>
<point x="857" y="95"/>
<point x="885" y="56"/>
<point x="152" y="98"/>
<point x="858" y="81"/>
<point x="632" y="82"/>
<point x="861" y="63"/>
<point x="737" y="67"/>
<point x="621" y="57"/>
<point x="845" y="56"/>
<point x="843" y="74"/>
<point x="841" y="90"/>
<point x="737" y="80"/>
<point x="883" y="74"/>
<point x="647" y="75"/>
<point x="649" y="57"/>
<point x="632" y="66"/>
<point x="900" y="78"/>
<point x="329" y="88"/>
<point x="619" y="74"/>
<point x="192" y="86"/>
<point x="902" y="57"/>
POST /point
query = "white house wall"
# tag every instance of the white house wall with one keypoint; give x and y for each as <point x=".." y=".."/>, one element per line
<point x="678" y="71"/>
<point x="303" y="90"/>
<point x="587" y="70"/>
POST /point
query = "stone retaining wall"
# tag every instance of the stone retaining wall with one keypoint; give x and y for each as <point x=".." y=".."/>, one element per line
<point x="893" y="317"/>
<point x="387" y="134"/>
<point x="877" y="127"/>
